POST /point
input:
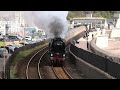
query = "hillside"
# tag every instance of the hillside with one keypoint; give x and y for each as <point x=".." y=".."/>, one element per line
<point x="105" y="14"/>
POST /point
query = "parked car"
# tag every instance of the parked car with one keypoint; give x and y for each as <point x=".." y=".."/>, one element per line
<point x="29" y="42"/>
<point x="28" y="38"/>
<point x="11" y="48"/>
<point x="43" y="37"/>
<point x="14" y="38"/>
<point x="1" y="38"/>
<point x="3" y="52"/>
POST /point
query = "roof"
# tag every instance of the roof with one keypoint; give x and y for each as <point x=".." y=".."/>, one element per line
<point x="90" y="18"/>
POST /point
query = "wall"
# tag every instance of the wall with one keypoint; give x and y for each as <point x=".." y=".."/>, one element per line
<point x="102" y="41"/>
<point x="115" y="33"/>
<point x="75" y="32"/>
<point x="103" y="53"/>
<point x="113" y="63"/>
<point x="90" y="64"/>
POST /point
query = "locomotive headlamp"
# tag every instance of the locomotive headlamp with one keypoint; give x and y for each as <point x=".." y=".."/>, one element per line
<point x="51" y="54"/>
<point x="63" y="55"/>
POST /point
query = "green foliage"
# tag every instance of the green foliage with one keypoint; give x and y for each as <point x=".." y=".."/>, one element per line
<point x="97" y="14"/>
<point x="12" y="70"/>
<point x="2" y="43"/>
<point x="104" y="14"/>
<point x="71" y="15"/>
<point x="21" y="55"/>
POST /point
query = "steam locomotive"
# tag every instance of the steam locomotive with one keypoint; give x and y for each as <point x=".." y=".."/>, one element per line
<point x="57" y="51"/>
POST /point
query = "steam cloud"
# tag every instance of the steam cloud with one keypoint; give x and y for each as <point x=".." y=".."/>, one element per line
<point x="56" y="26"/>
<point x="53" y="22"/>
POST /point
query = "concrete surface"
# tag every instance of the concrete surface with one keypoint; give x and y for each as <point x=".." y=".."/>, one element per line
<point x="82" y="43"/>
<point x="115" y="33"/>
<point x="102" y="41"/>
<point x="113" y="46"/>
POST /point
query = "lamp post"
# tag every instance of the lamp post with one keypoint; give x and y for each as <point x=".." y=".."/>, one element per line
<point x="6" y="32"/>
<point x="7" y="27"/>
<point x="24" y="35"/>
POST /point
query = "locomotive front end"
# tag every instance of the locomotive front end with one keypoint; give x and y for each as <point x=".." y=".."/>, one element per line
<point x="57" y="53"/>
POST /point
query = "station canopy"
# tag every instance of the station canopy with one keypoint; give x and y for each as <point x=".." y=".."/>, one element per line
<point x="89" y="20"/>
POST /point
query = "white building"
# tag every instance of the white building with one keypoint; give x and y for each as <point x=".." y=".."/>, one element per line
<point x="42" y="32"/>
<point x="91" y="21"/>
<point x="15" y="24"/>
<point x="11" y="26"/>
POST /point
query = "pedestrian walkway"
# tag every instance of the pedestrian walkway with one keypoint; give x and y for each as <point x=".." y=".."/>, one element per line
<point x="83" y="43"/>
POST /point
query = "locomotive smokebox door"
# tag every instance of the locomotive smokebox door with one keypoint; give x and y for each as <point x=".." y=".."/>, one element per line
<point x="57" y="52"/>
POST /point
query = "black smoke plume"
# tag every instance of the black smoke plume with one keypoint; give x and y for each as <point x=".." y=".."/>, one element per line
<point x="56" y="26"/>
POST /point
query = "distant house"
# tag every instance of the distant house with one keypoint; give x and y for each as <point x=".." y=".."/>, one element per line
<point x="92" y="21"/>
<point x="30" y="30"/>
<point x="42" y="32"/>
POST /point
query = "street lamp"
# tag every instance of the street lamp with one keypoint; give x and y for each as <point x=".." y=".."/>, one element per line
<point x="6" y="33"/>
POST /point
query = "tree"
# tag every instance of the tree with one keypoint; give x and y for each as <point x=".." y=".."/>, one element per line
<point x="71" y="15"/>
<point x="105" y="14"/>
<point x="97" y="14"/>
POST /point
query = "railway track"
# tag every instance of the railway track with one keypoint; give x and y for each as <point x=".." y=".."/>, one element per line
<point x="39" y="64"/>
<point x="33" y="59"/>
<point x="61" y="73"/>
<point x="33" y="67"/>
